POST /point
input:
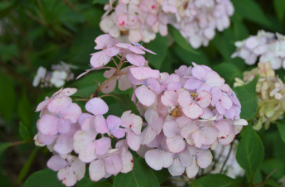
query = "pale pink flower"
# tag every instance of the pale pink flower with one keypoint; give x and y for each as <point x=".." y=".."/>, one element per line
<point x="202" y="158"/>
<point x="133" y="125"/>
<point x="105" y="166"/>
<point x="174" y="141"/>
<point x="180" y="162"/>
<point x="62" y="114"/>
<point x="88" y="147"/>
<point x="123" y="80"/>
<point x="201" y="133"/>
<point x="70" y="170"/>
<point x="107" y="44"/>
<point x="113" y="124"/>
<point x="126" y="156"/>
<point x="194" y="108"/>
<point x="159" y="157"/>
<point x="66" y="91"/>
<point x="153" y="128"/>
<point x="97" y="123"/>
<point x="221" y="100"/>
<point x="203" y="79"/>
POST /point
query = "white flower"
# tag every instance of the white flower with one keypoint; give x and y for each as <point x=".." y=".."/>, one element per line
<point x="41" y="73"/>
<point x="58" y="78"/>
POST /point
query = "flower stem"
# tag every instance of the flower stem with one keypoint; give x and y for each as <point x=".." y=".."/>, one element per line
<point x="227" y="158"/>
<point x="99" y="88"/>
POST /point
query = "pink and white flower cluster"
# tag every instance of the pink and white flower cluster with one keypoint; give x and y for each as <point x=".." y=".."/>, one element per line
<point x="140" y="20"/>
<point x="264" y="47"/>
<point x="64" y="129"/>
<point x="187" y="113"/>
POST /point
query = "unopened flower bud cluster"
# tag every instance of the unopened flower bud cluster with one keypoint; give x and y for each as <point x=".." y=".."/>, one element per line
<point x="270" y="91"/>
<point x="57" y="77"/>
<point x="140" y="20"/>
<point x="187" y="114"/>
<point x="264" y="47"/>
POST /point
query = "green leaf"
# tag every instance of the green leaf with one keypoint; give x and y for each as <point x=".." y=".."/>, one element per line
<point x="268" y="166"/>
<point x="5" y="181"/>
<point x="224" y="43"/>
<point x="4" y="146"/>
<point x="188" y="57"/>
<point x="140" y="176"/>
<point x="102" y="2"/>
<point x="180" y="40"/>
<point x="86" y="92"/>
<point x="7" y="98"/>
<point x="252" y="11"/>
<point x="8" y="51"/>
<point x="86" y="182"/>
<point x="25" y="110"/>
<point x="279" y="6"/>
<point x="281" y="129"/>
<point x="25" y="169"/>
<point x="257" y="177"/>
<point x="272" y="183"/>
<point x="7" y="10"/>
<point x="215" y="180"/>
<point x="250" y="151"/>
<point x="43" y="178"/>
<point x="162" y="175"/>
<point x="125" y="103"/>
<point x="93" y="15"/>
<point x="83" y="45"/>
<point x="24" y="132"/>
<point x="159" y="46"/>
<point x="228" y="71"/>
<point x="240" y="31"/>
<point x="248" y="99"/>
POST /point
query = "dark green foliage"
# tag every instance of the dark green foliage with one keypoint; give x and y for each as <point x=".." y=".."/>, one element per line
<point x="140" y="176"/>
<point x="248" y="99"/>
<point x="250" y="151"/>
<point x="45" y="32"/>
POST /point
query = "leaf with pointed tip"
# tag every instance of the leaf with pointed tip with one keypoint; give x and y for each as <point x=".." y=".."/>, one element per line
<point x="43" y="178"/>
<point x="140" y="176"/>
<point x="248" y="99"/>
<point x="250" y="151"/>
<point x="180" y="40"/>
<point x="215" y="180"/>
<point x="24" y="132"/>
<point x="252" y="11"/>
<point x="159" y="46"/>
<point x="281" y="129"/>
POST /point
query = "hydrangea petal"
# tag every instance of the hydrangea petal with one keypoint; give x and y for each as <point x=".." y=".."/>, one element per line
<point x="96" y="106"/>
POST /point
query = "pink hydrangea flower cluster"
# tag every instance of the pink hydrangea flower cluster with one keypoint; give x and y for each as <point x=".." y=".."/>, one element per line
<point x="264" y="47"/>
<point x="140" y="20"/>
<point x="63" y="128"/>
<point x="186" y="114"/>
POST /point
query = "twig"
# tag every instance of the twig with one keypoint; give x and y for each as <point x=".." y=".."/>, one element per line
<point x="227" y="158"/>
<point x="108" y="80"/>
<point x="267" y="177"/>
<point x="12" y="73"/>
<point x="68" y="3"/>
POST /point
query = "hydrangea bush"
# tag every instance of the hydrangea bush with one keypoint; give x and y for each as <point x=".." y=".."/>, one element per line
<point x="186" y="114"/>
<point x="172" y="93"/>
<point x="140" y="20"/>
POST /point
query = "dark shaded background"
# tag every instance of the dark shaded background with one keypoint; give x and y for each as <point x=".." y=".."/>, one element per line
<point x="37" y="33"/>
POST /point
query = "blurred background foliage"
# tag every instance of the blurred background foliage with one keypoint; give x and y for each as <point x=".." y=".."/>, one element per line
<point x="36" y="33"/>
